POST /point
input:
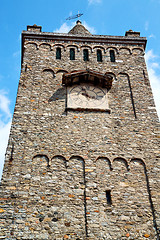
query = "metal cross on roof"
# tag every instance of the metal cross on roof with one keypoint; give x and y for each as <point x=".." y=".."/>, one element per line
<point x="75" y="16"/>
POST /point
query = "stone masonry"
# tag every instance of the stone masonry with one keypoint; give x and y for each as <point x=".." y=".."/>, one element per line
<point x="82" y="174"/>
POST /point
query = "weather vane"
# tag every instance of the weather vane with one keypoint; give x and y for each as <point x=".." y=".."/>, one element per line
<point x="75" y="16"/>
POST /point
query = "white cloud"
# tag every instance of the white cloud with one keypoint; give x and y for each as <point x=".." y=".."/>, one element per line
<point x="5" y="123"/>
<point x="152" y="36"/>
<point x="94" y="1"/>
<point x="149" y="56"/>
<point x="90" y="29"/>
<point x="4" y="104"/>
<point x="146" y="25"/>
<point x="20" y="37"/>
<point x="65" y="28"/>
<point x="16" y="54"/>
<point x="4" y="134"/>
<point x="70" y="14"/>
<point x="153" y="66"/>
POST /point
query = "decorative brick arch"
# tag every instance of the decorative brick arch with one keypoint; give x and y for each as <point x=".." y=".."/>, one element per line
<point x="112" y="48"/>
<point x="100" y="48"/>
<point x="111" y="74"/>
<point x="122" y="160"/>
<point x="107" y="160"/>
<point x="87" y="47"/>
<point x="142" y="163"/>
<point x="45" y="44"/>
<point x="60" y="157"/>
<point x="58" y="45"/>
<point x="61" y="71"/>
<point x="73" y="46"/>
<point x="31" y="44"/>
<point x="48" y="70"/>
<point x="42" y="156"/>
<point x="138" y="51"/>
<point x="126" y="50"/>
<point x="139" y="160"/>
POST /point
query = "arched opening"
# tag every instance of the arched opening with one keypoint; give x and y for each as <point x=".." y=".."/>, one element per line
<point x="58" y="53"/>
<point x="99" y="55"/>
<point x="72" y="54"/>
<point x="85" y="55"/>
<point x="112" y="56"/>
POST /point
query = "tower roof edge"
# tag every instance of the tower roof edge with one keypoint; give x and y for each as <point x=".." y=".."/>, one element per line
<point x="79" y="29"/>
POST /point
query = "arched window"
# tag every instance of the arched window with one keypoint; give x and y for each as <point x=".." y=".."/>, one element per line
<point x="85" y="55"/>
<point x="112" y="56"/>
<point x="58" y="53"/>
<point x="99" y="55"/>
<point x="72" y="54"/>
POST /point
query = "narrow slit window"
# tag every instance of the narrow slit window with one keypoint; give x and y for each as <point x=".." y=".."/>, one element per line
<point x="108" y="197"/>
<point x="58" y="53"/>
<point x="99" y="55"/>
<point x="85" y="55"/>
<point x="72" y="54"/>
<point x="112" y="56"/>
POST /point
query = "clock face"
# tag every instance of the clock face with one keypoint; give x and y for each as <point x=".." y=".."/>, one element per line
<point x="87" y="97"/>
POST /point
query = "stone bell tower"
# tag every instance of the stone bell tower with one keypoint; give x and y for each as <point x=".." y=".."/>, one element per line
<point x="82" y="160"/>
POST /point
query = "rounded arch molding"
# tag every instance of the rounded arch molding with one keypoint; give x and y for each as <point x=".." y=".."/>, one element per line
<point x="123" y="73"/>
<point x="112" y="48"/>
<point x="99" y="47"/>
<point x="68" y="166"/>
<point x="48" y="70"/>
<point x="111" y="163"/>
<point x="44" y="156"/>
<point x="130" y="51"/>
<point x="31" y="44"/>
<point x="139" y="161"/>
<point x="112" y="74"/>
<point x="126" y="50"/>
<point x="116" y="74"/>
<point x="45" y="44"/>
<point x="87" y="47"/>
<point x="73" y="46"/>
<point x="123" y="161"/>
<point x="127" y="163"/>
<point x="106" y="159"/>
<point x="61" y="71"/>
<point x="137" y="51"/>
<point x="58" y="45"/>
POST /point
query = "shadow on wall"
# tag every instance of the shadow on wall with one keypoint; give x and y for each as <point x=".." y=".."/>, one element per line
<point x="59" y="94"/>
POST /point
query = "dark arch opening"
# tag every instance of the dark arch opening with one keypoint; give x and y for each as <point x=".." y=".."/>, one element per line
<point x="72" y="54"/>
<point x="85" y="55"/>
<point x="99" y="55"/>
<point x="58" y="53"/>
<point x="112" y="56"/>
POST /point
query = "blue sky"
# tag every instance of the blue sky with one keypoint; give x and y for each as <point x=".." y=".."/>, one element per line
<point x="100" y="17"/>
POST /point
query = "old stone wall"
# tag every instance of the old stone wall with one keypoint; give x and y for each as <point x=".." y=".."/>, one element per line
<point x="81" y="174"/>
